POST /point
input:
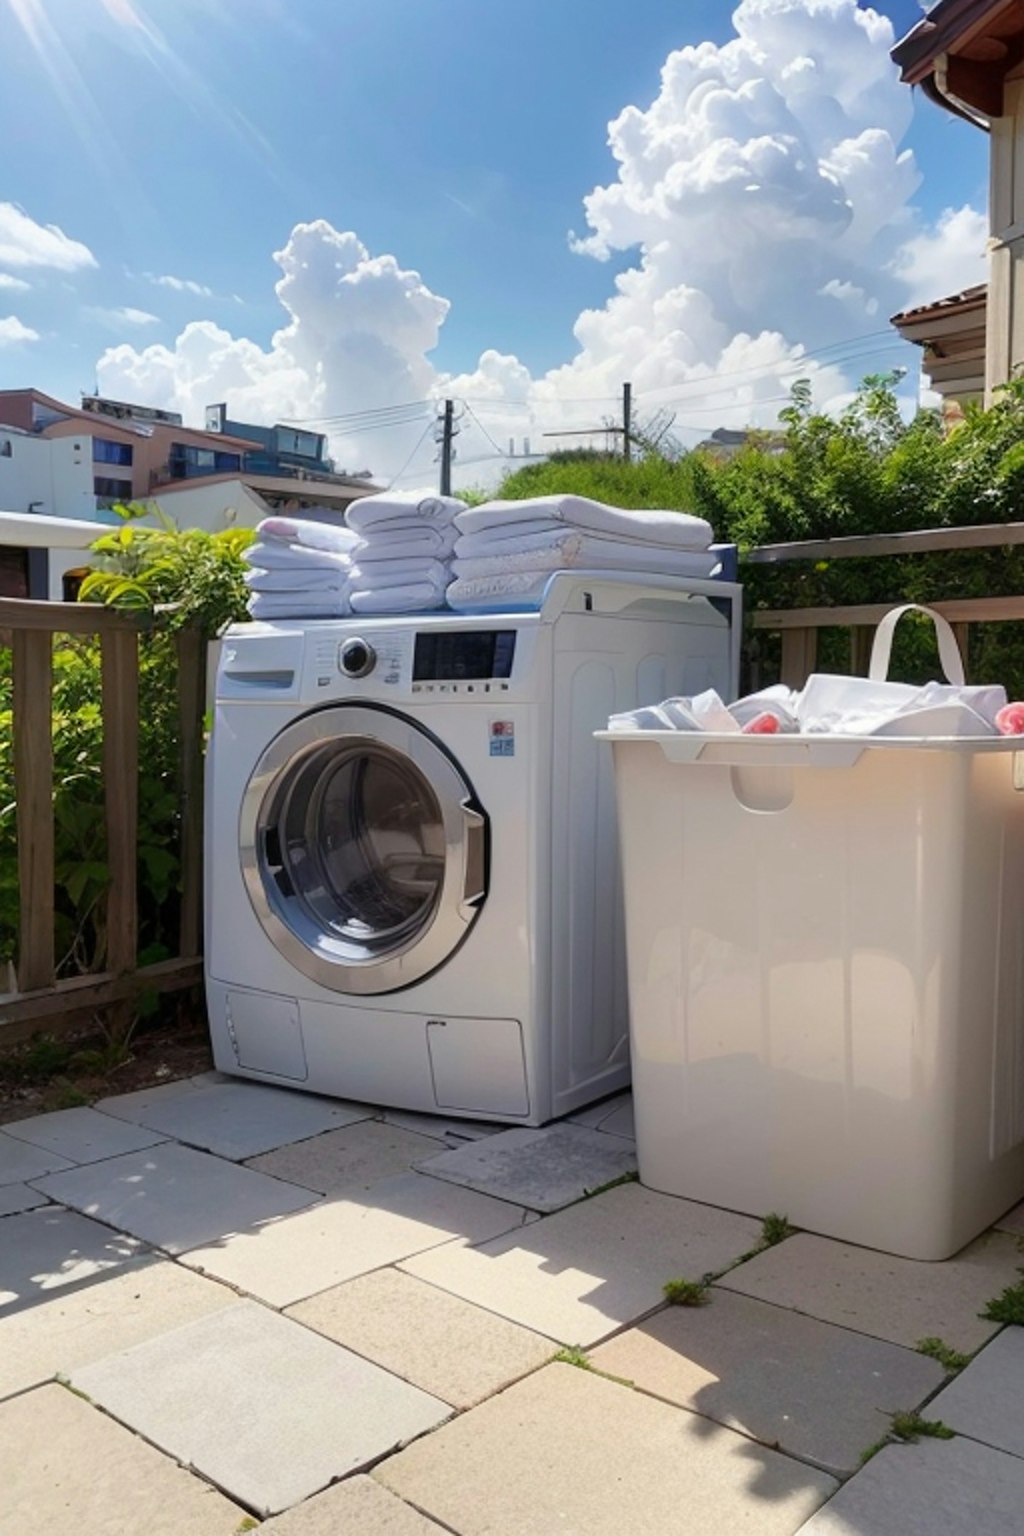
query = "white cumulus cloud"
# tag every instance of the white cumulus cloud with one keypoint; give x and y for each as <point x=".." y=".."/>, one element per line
<point x="24" y="243"/>
<point x="13" y="284"/>
<point x="766" y="200"/>
<point x="13" y="331"/>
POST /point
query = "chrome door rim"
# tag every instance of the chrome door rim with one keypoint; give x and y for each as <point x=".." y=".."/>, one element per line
<point x="335" y="964"/>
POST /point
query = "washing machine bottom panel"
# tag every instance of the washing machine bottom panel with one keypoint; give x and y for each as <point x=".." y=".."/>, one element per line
<point x="474" y="1068"/>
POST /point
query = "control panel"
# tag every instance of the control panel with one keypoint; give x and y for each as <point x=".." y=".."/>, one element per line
<point x="378" y="662"/>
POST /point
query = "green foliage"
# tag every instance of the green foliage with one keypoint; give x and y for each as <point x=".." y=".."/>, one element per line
<point x="572" y="1354"/>
<point x="909" y="1425"/>
<point x="950" y="1359"/>
<point x="865" y="471"/>
<point x="1008" y="1307"/>
<point x="686" y="1293"/>
<point x="138" y="569"/>
<point x="775" y="1229"/>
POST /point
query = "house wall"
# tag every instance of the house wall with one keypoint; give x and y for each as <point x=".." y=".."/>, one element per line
<point x="54" y="475"/>
<point x="1004" y="340"/>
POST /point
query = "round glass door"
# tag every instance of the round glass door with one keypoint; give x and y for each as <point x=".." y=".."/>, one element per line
<point x="362" y="850"/>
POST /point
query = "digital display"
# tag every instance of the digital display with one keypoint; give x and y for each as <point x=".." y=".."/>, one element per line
<point x="451" y="655"/>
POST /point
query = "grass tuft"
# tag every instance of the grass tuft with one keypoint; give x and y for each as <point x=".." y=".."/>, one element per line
<point x="602" y="1189"/>
<point x="1007" y="1308"/>
<point x="775" y="1229"/>
<point x="686" y="1293"/>
<point x="574" y="1355"/>
<point x="909" y="1425"/>
<point x="950" y="1359"/>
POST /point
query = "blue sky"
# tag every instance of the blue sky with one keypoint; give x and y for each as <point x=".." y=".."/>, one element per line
<point x="186" y="138"/>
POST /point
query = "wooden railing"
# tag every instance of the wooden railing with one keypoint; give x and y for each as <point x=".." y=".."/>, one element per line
<point x="42" y="999"/>
<point x="799" y="627"/>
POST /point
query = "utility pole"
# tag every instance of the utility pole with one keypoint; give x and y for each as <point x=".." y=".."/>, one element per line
<point x="627" y="415"/>
<point x="447" y="434"/>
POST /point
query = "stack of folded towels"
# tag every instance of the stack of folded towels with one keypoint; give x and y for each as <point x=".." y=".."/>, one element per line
<point x="299" y="568"/>
<point x="401" y="562"/>
<point x="507" y="551"/>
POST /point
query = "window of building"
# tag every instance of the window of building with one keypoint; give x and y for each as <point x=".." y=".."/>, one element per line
<point x="106" y="452"/>
<point x="5" y="448"/>
<point x="186" y="459"/>
<point x="111" y="490"/>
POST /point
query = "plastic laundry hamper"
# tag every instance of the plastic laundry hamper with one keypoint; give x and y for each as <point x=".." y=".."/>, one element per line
<point x="825" y="939"/>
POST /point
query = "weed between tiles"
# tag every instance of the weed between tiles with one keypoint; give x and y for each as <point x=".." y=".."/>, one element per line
<point x="910" y="1426"/>
<point x="950" y="1359"/>
<point x="602" y="1189"/>
<point x="1007" y="1308"/>
<point x="686" y="1293"/>
<point x="573" y="1355"/>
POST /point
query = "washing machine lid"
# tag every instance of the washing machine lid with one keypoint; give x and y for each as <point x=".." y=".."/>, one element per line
<point x="363" y="849"/>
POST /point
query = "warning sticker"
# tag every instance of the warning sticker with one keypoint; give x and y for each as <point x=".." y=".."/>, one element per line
<point x="503" y="738"/>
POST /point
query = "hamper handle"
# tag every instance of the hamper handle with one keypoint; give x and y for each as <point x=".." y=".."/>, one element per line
<point x="949" y="651"/>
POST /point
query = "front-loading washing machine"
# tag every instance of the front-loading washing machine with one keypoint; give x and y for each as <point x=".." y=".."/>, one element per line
<point x="412" y="882"/>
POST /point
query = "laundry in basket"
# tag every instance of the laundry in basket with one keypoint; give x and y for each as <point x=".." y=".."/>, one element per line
<point x="834" y="705"/>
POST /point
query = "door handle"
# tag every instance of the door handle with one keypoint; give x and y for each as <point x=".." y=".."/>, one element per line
<point x="474" y="869"/>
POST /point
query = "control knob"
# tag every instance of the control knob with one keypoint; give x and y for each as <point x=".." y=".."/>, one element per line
<point x="357" y="658"/>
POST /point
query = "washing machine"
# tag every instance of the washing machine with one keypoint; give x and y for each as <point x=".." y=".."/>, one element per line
<point x="412" y="880"/>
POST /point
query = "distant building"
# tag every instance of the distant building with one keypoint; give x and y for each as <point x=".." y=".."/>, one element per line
<point x="727" y="442"/>
<point x="71" y="461"/>
<point x="951" y="332"/>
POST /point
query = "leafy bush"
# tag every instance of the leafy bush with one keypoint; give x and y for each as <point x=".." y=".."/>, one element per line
<point x="139" y="569"/>
<point x="867" y="471"/>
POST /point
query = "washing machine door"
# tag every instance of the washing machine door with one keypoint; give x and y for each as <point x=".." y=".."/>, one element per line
<point x="363" y="849"/>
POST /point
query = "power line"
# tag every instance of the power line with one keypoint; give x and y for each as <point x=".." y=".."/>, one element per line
<point x="418" y="445"/>
<point x="483" y="429"/>
<point x="382" y="410"/>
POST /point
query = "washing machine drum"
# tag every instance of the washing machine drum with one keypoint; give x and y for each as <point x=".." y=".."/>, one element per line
<point x="363" y="849"/>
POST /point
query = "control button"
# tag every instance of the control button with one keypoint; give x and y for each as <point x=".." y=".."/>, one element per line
<point x="356" y="658"/>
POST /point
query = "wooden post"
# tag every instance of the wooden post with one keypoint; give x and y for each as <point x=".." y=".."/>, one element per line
<point x="799" y="655"/>
<point x="191" y="649"/>
<point x="119" y="651"/>
<point x="33" y="789"/>
<point x="861" y="637"/>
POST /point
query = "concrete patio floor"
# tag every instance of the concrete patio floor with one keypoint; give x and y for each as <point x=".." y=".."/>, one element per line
<point x="223" y="1305"/>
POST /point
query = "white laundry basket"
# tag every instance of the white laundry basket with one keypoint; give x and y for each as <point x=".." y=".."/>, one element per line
<point x="826" y="969"/>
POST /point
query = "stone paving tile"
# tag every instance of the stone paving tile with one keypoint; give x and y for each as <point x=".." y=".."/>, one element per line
<point x="337" y="1240"/>
<point x="83" y="1135"/>
<point x="541" y="1169"/>
<point x="65" y="1467"/>
<point x="340" y="1162"/>
<point x="808" y="1388"/>
<point x="567" y="1451"/>
<point x="356" y="1507"/>
<point x="441" y="1128"/>
<point x="594" y="1115"/>
<point x="985" y="1401"/>
<point x="933" y="1488"/>
<point x="174" y="1197"/>
<point x="902" y="1300"/>
<point x="76" y="1327"/>
<point x="267" y="1410"/>
<point x="235" y="1119"/>
<point x="21" y="1163"/>
<point x="584" y="1272"/>
<point x="44" y="1250"/>
<point x="1013" y="1221"/>
<point x="18" y="1197"/>
<point x="446" y="1346"/>
<point x="621" y="1123"/>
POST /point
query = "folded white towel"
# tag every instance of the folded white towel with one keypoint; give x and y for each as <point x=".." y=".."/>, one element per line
<point x="298" y="580"/>
<point x="406" y="541"/>
<point x="393" y="508"/>
<point x="523" y="589"/>
<point x="503" y="538"/>
<point x="274" y="554"/>
<point x="679" y="530"/>
<point x="586" y="551"/>
<point x="296" y="530"/>
<point x="415" y="597"/>
<point x="398" y="573"/>
<point x="296" y="605"/>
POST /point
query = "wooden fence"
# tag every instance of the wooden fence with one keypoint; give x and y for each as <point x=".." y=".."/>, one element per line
<point x="42" y="999"/>
<point x="799" y="627"/>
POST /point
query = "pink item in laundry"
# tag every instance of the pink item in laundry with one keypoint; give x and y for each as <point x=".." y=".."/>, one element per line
<point x="761" y="725"/>
<point x="1010" y="720"/>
